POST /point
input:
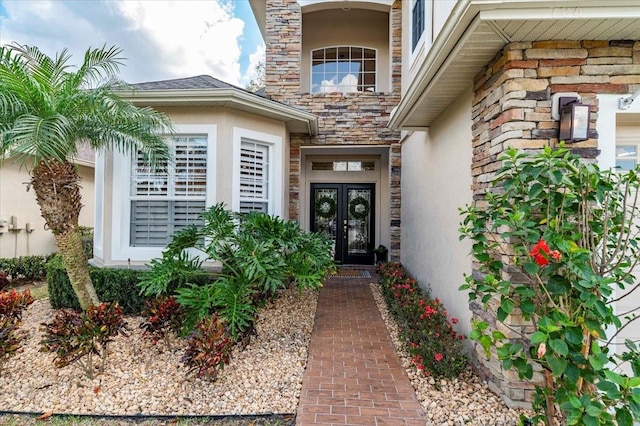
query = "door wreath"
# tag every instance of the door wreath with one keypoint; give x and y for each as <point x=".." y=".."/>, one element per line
<point x="326" y="207"/>
<point x="359" y="208"/>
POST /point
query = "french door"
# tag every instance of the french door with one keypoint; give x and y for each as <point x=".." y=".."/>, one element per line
<point x="346" y="212"/>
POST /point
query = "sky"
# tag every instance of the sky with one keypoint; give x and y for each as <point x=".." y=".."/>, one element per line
<point x="161" y="39"/>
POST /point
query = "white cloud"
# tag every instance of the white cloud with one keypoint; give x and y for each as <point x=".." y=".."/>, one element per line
<point x="161" y="39"/>
<point x="255" y="58"/>
<point x="348" y="84"/>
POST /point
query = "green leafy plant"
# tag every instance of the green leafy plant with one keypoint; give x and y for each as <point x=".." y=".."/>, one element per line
<point x="209" y="347"/>
<point x="77" y="336"/>
<point x="173" y="271"/>
<point x="233" y="303"/>
<point x="423" y="322"/>
<point x="259" y="254"/>
<point x="163" y="316"/>
<point x="553" y="241"/>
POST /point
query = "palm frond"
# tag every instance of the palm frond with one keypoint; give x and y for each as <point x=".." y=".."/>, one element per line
<point x="100" y="65"/>
<point x="39" y="138"/>
<point x="43" y="99"/>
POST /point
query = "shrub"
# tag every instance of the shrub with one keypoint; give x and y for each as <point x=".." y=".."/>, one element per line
<point x="9" y="342"/>
<point x="77" y="336"/>
<point x="557" y="242"/>
<point x="209" y="347"/>
<point x="4" y="280"/>
<point x="112" y="284"/>
<point x="12" y="304"/>
<point x="31" y="268"/>
<point x="424" y="325"/>
<point x="163" y="315"/>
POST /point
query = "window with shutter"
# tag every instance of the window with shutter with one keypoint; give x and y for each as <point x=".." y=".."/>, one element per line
<point x="254" y="177"/>
<point x="171" y="196"/>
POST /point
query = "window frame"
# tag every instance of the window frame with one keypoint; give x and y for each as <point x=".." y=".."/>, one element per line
<point x="175" y="192"/>
<point x="415" y="42"/>
<point x="274" y="146"/>
<point x="121" y="248"/>
<point x="627" y="141"/>
<point x="337" y="47"/>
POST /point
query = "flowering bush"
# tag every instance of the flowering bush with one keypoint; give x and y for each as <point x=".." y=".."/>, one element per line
<point x="425" y="327"/>
<point x="554" y="241"/>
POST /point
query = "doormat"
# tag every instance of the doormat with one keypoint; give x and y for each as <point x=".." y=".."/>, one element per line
<point x="352" y="273"/>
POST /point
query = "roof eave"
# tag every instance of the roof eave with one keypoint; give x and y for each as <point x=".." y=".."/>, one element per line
<point x="458" y="30"/>
<point x="229" y="98"/>
<point x="259" y="8"/>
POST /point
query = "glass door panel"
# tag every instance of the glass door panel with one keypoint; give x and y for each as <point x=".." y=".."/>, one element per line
<point x="346" y="213"/>
<point x="325" y="212"/>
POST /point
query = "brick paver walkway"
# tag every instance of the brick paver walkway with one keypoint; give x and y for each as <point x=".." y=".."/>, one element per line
<point x="353" y="375"/>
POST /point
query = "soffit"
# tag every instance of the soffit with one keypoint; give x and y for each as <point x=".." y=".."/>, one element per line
<point x="478" y="35"/>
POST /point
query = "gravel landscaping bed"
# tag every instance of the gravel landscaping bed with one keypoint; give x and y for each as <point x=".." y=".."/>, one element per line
<point x="266" y="377"/>
<point x="463" y="401"/>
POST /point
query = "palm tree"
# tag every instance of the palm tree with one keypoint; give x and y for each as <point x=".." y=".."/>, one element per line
<point x="46" y="108"/>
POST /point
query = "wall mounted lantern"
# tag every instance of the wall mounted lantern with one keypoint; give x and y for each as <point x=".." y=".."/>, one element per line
<point x="574" y="120"/>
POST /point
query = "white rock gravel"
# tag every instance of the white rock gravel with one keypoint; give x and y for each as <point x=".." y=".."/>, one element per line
<point x="464" y="401"/>
<point x="266" y="377"/>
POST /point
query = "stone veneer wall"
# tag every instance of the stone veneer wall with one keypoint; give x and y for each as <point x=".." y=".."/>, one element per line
<point x="512" y="108"/>
<point x="343" y="119"/>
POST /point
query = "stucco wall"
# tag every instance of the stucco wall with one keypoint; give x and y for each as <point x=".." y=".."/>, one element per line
<point x="226" y="119"/>
<point x="435" y="183"/>
<point x="111" y="242"/>
<point x="15" y="200"/>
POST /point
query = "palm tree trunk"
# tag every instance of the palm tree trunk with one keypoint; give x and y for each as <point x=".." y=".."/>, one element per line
<point x="70" y="246"/>
<point x="57" y="188"/>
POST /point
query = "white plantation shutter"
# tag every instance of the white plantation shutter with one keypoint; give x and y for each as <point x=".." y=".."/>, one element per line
<point x="169" y="198"/>
<point x="254" y="177"/>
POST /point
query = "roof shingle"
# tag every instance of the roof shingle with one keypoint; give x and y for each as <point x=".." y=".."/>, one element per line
<point x="189" y="83"/>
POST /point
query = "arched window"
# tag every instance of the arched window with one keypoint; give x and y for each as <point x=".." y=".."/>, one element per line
<point x="343" y="69"/>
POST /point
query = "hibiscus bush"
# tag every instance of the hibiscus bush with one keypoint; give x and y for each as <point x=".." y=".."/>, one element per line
<point x="424" y="324"/>
<point x="556" y="241"/>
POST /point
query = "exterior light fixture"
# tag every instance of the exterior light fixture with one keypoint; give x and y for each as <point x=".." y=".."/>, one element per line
<point x="574" y="119"/>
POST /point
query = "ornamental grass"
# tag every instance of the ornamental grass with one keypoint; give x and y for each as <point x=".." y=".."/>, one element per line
<point x="424" y="325"/>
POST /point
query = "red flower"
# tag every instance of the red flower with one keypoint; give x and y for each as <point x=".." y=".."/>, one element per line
<point x="555" y="255"/>
<point x="438" y="357"/>
<point x="454" y="320"/>
<point x="539" y="252"/>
